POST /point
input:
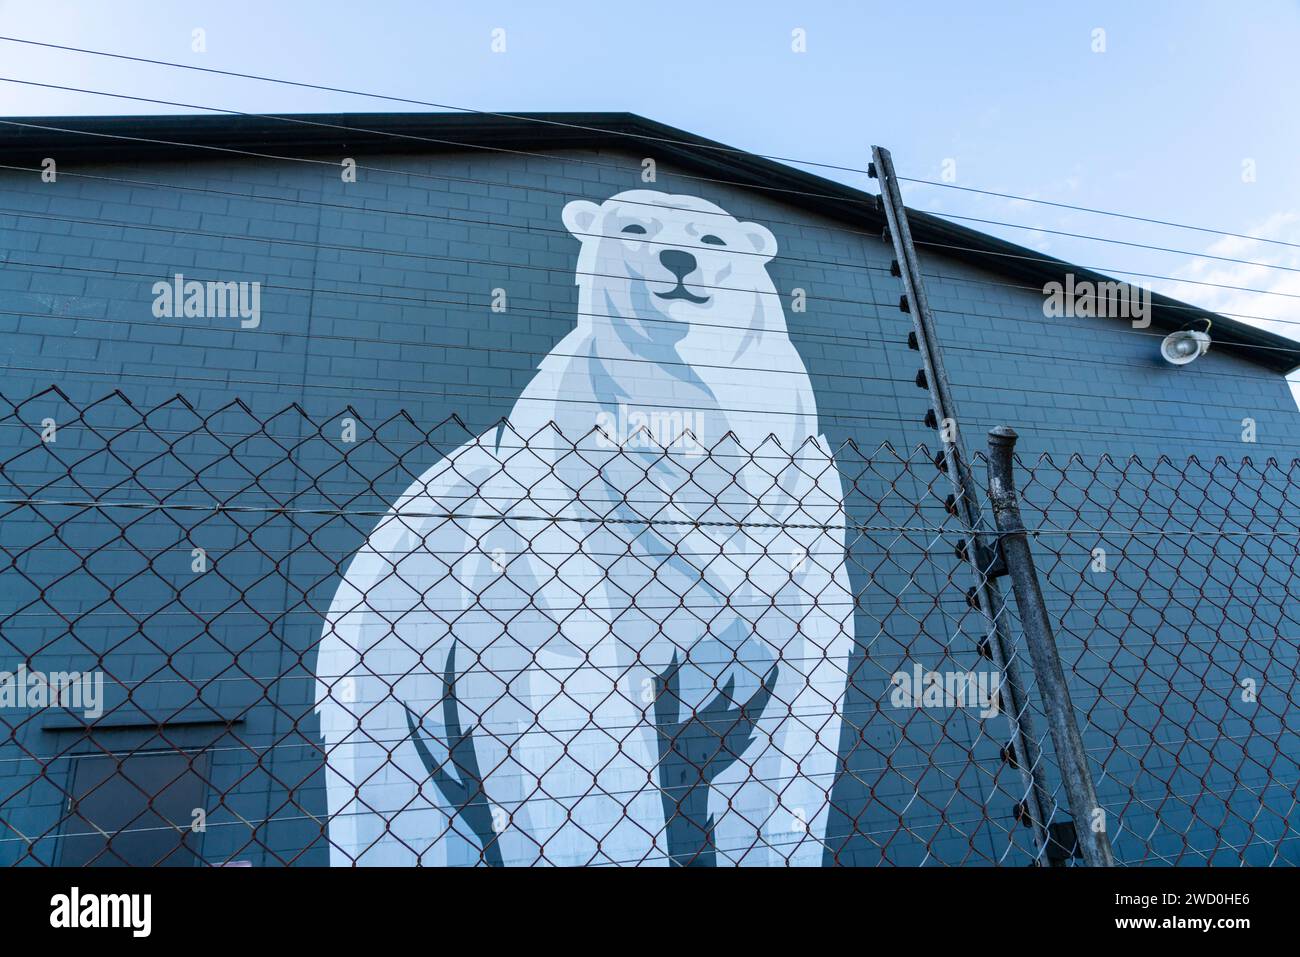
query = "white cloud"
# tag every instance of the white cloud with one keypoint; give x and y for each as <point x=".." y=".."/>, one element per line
<point x="1251" y="303"/>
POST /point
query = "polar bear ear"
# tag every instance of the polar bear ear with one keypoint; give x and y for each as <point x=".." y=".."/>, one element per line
<point x="761" y="238"/>
<point x="579" y="216"/>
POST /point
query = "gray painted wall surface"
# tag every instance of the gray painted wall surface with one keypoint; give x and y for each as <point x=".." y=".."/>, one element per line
<point x="400" y="320"/>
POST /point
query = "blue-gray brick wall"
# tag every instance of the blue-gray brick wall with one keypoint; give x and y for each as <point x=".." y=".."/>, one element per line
<point x="375" y="301"/>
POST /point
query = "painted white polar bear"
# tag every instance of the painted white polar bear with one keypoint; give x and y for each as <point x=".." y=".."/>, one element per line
<point x="565" y="644"/>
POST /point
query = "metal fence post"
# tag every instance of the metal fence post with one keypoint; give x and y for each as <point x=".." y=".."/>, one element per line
<point x="1037" y="630"/>
<point x="985" y="594"/>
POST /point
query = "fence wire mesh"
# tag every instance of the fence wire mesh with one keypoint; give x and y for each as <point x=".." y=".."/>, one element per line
<point x="1172" y="587"/>
<point x="349" y="640"/>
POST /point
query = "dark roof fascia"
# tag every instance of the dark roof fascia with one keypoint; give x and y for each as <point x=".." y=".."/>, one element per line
<point x="148" y="138"/>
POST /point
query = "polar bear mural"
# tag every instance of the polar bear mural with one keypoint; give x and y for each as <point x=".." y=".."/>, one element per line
<point x="567" y="644"/>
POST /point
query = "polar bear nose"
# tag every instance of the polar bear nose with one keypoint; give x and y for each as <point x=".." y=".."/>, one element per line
<point x="680" y="264"/>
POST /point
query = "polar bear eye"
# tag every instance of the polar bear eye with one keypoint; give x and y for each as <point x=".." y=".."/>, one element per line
<point x="712" y="240"/>
<point x="634" y="228"/>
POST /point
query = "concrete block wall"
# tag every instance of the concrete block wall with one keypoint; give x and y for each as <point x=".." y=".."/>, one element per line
<point x="375" y="301"/>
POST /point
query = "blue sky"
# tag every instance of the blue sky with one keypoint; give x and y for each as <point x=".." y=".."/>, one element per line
<point x="1158" y="125"/>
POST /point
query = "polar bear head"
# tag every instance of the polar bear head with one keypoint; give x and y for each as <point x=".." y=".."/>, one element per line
<point x="656" y="259"/>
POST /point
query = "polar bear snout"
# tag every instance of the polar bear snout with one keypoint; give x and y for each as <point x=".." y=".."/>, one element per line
<point x="681" y="264"/>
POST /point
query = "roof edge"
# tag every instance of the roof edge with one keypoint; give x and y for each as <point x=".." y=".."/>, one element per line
<point x="171" y="137"/>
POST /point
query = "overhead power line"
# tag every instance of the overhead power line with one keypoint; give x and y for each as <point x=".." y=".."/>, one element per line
<point x="426" y="139"/>
<point x="392" y="134"/>
<point x="1101" y="239"/>
<point x="858" y="266"/>
<point x="646" y="137"/>
<point x="1101" y="212"/>
<point x="408" y="213"/>
<point x="849" y="265"/>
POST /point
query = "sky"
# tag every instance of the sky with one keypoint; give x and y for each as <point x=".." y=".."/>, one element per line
<point x="1175" y="110"/>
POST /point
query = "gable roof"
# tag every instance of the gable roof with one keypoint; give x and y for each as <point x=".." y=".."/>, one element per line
<point x="111" y="139"/>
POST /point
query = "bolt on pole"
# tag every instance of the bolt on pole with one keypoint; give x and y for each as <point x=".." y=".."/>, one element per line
<point x="1024" y="753"/>
<point x="1089" y="818"/>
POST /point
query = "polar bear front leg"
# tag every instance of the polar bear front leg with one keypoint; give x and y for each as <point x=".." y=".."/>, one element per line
<point x="774" y="809"/>
<point x="695" y="748"/>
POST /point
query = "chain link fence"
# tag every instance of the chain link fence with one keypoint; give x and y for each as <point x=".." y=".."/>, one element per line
<point x="233" y="637"/>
